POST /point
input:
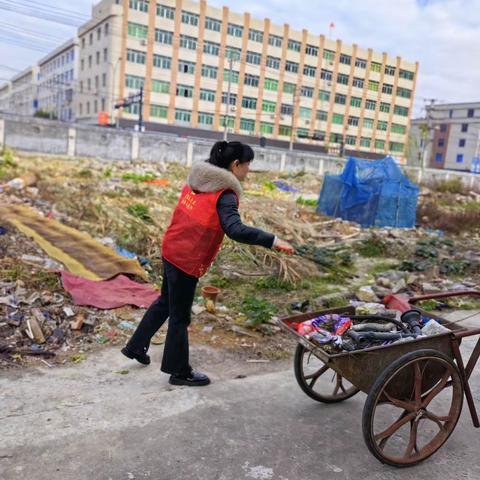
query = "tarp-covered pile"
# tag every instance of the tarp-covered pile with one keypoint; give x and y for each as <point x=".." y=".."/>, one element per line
<point x="370" y="193"/>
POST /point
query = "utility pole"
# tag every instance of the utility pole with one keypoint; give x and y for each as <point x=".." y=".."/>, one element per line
<point x="140" y="110"/>
<point x="428" y="138"/>
<point x="135" y="99"/>
<point x="296" y="96"/>
<point x="229" y="92"/>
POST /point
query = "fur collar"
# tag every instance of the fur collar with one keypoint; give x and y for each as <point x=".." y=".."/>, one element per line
<point x="205" y="177"/>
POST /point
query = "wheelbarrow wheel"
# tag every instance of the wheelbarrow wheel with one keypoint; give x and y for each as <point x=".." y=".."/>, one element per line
<point x="318" y="380"/>
<point x="413" y="408"/>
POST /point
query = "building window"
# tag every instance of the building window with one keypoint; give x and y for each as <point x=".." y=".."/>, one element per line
<point x="358" y="82"/>
<point x="322" y="115"/>
<point x="233" y="53"/>
<point x="356" y="102"/>
<point x="249" y="102"/>
<point x="213" y="24"/>
<point x="380" y="145"/>
<point x="235" y="30"/>
<point x="207" y="95"/>
<point x="160" y="61"/>
<point x="106" y="29"/>
<point x="385" y="107"/>
<point x="184" y="116"/>
<point x="302" y="133"/>
<point x="271" y="84"/>
<point x="285" y="131"/>
<point x="186" y="67"/>
<point x="286" y="109"/>
<point x="400" y="129"/>
<point x="138" y="31"/>
<point x="82" y="64"/>
<point x="99" y="33"/>
<point x="360" y="63"/>
<point x="254" y="58"/>
<point x="232" y="99"/>
<point x="205" y="118"/>
<point x="88" y="108"/>
<point x="306" y="92"/>
<point x="255" y="35"/>
<point x="83" y="46"/>
<point x="97" y="58"/>
<point x="406" y="74"/>
<point x="132" y="81"/>
<point x="247" y="125"/>
<point x="190" y="18"/>
<point x="464" y="127"/>
<point x="273" y="62"/>
<point x="227" y="121"/>
<point x="375" y="67"/>
<point x="396" y="147"/>
<point x="365" y="142"/>
<point x="450" y="113"/>
<point x="368" y="123"/>
<point x="309" y="71"/>
<point x="337" y="119"/>
<point x="105" y="54"/>
<point x="163" y="36"/>
<point x="342" y="78"/>
<point x="319" y="136"/>
<point x="353" y="121"/>
<point x="231" y="76"/>
<point x="459" y="158"/>
<point x="329" y="55"/>
<point x="440" y="143"/>
<point x="90" y="39"/>
<point x="97" y="82"/>
<point x="336" y="137"/>
<point x="382" y="125"/>
<point x="140" y="5"/>
<point x="294" y="45"/>
<point x="373" y="86"/>
<point x="268" y="106"/>
<point x="266" y="128"/>
<point x="345" y="59"/>
<point x="324" y="96"/>
<point x="404" y="92"/>
<point x="370" y="104"/>
<point x="389" y="70"/>
<point x="340" y="98"/>
<point x="289" y="88"/>
<point x="159" y="86"/>
<point x="104" y="79"/>
<point x="158" y="111"/>
<point x="350" y="140"/>
<point x="438" y="157"/>
<point x="81" y="109"/>
<point x="325" y="74"/>
<point x="89" y="61"/>
<point x="95" y="106"/>
<point x="402" y="111"/>
<point x="311" y="50"/>
<point x="275" y="41"/>
<point x="188" y="42"/>
<point x="387" y="88"/>
<point x="211" y="48"/>
<point x="251" y="80"/>
<point x="184" y="91"/>
<point x="462" y="142"/>
<point x="291" y="67"/>
<point x="470" y="114"/>
<point x="165" y="12"/>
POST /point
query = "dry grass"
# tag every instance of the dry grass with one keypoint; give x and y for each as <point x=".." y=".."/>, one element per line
<point x="456" y="222"/>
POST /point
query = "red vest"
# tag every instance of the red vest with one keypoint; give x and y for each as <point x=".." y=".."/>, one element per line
<point x="195" y="235"/>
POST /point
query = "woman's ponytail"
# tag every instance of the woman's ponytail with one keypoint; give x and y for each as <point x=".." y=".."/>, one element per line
<point x="224" y="153"/>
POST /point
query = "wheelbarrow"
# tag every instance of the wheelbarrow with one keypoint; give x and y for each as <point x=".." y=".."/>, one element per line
<point x="415" y="389"/>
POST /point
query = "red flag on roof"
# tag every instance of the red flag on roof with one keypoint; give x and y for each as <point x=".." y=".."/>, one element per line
<point x="332" y="25"/>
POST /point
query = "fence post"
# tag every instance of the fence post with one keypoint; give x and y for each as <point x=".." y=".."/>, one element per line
<point x="135" y="146"/>
<point x="71" y="141"/>
<point x="2" y="132"/>
<point x="189" y="154"/>
<point x="321" y="166"/>
<point x="283" y="162"/>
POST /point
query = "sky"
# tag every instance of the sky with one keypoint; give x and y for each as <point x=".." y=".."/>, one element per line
<point x="442" y="35"/>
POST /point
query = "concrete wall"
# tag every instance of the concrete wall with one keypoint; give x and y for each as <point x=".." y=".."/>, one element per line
<point x="45" y="136"/>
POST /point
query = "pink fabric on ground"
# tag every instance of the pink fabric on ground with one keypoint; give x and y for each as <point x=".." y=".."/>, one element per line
<point x="108" y="294"/>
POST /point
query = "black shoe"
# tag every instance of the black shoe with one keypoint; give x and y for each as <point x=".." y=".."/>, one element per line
<point x="143" y="358"/>
<point x="193" y="379"/>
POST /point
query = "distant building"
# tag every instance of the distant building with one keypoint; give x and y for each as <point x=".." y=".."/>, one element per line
<point x="57" y="82"/>
<point x="24" y="92"/>
<point x="284" y="83"/>
<point x="449" y="137"/>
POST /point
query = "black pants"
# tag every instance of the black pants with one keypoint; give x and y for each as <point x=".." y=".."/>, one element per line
<point x="174" y="303"/>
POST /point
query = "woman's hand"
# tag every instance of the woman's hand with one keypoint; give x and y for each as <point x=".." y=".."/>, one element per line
<point x="282" y="246"/>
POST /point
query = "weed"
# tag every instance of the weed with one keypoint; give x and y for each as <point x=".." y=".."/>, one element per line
<point x="257" y="310"/>
<point x="107" y="173"/>
<point x="16" y="272"/>
<point x="140" y="211"/>
<point x="455" y="185"/>
<point x="382" y="267"/>
<point x="46" y="280"/>
<point x="6" y="159"/>
<point x="335" y="302"/>
<point x="135" y="177"/>
<point x="372" y="247"/>
<point x="220" y="282"/>
<point x="273" y="283"/>
<point x="85" y="173"/>
<point x="304" y="201"/>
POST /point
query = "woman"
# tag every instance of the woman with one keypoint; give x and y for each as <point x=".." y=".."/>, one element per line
<point x="206" y="211"/>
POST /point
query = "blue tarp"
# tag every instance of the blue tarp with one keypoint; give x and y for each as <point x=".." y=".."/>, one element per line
<point x="372" y="193"/>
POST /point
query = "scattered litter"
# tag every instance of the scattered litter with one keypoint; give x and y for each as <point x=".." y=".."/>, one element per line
<point x="127" y="325"/>
<point x="285" y="187"/>
<point x="258" y="361"/>
<point x="3" y="230"/>
<point x="207" y="329"/>
<point x="68" y="311"/>
<point x="198" y="309"/>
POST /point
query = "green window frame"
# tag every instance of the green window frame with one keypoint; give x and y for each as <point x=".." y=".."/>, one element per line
<point x="382" y="125"/>
<point x="255" y="35"/>
<point x="228" y="122"/>
<point x="385" y="107"/>
<point x="266" y="128"/>
<point x="186" y="67"/>
<point x="400" y="129"/>
<point x="249" y="102"/>
<point x="235" y="30"/>
<point x="159" y="61"/>
<point x="140" y="5"/>
<point x="373" y="85"/>
<point x="306" y="113"/>
<point x="231" y="75"/>
<point x="211" y="48"/>
<point x="289" y="87"/>
<point x="159" y="86"/>
<point x="380" y="145"/>
<point x="322" y="115"/>
<point x="182" y="115"/>
<point x="190" y="43"/>
<point x="337" y="118"/>
<point x="324" y="96"/>
<point x="137" y="30"/>
<point x="209" y="71"/>
<point x="165" y="12"/>
<point x="136" y="56"/>
<point x="329" y="55"/>
<point x="207" y="95"/>
<point x="365" y="142"/>
<point x="294" y="46"/>
<point x="396" y="147"/>
<point x="376" y="67"/>
<point x="158" y="111"/>
<point x="351" y="140"/>
<point x="247" y="124"/>
<point x="271" y="84"/>
<point x="368" y="123"/>
<point x="205" y="118"/>
<point x="190" y="18"/>
<point x="356" y="102"/>
<point x="285" y="130"/>
<point x="134" y="81"/>
<point x="163" y="36"/>
<point x="184" y="91"/>
<point x="268" y="106"/>
<point x="213" y="24"/>
<point x="402" y="111"/>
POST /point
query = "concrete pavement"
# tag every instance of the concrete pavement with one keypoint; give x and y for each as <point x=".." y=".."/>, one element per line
<point x="93" y="421"/>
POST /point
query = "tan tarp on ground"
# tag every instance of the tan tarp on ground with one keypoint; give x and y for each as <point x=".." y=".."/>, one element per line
<point x="80" y="253"/>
